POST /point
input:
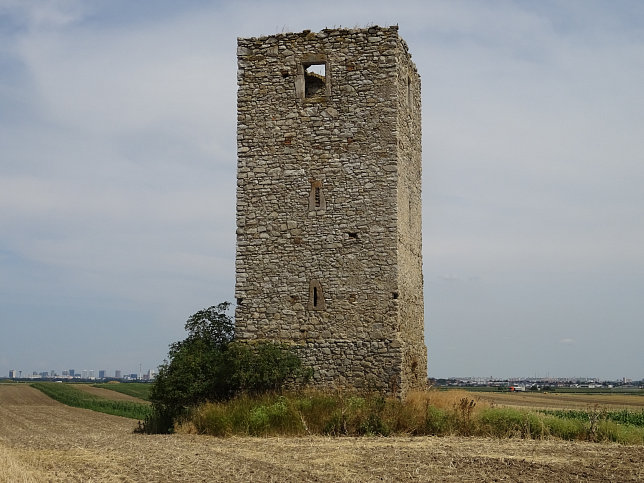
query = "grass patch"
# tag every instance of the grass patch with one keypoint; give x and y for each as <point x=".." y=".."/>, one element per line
<point x="423" y="413"/>
<point x="71" y="396"/>
<point x="135" y="389"/>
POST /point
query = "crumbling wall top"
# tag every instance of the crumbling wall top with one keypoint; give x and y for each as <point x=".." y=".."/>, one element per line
<point x="324" y="33"/>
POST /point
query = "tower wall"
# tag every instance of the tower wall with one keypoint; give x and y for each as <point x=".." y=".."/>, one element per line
<point x="328" y="204"/>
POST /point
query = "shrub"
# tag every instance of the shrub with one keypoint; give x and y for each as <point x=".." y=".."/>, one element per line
<point x="210" y="366"/>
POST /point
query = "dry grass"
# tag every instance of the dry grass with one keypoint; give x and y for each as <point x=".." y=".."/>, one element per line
<point x="446" y="400"/>
<point x="14" y="470"/>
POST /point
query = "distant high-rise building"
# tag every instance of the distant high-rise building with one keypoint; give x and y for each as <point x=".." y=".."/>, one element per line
<point x="72" y="372"/>
<point x="148" y="376"/>
<point x="13" y="374"/>
<point x="117" y="374"/>
<point x="101" y="374"/>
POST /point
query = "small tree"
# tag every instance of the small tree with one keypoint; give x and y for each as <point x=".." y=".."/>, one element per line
<point x="208" y="365"/>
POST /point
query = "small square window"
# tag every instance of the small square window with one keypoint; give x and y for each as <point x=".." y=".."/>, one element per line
<point x="313" y="80"/>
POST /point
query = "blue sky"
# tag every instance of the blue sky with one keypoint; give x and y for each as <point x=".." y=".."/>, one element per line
<point x="117" y="177"/>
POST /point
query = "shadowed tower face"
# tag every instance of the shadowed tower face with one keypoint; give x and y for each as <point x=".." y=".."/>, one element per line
<point x="329" y="204"/>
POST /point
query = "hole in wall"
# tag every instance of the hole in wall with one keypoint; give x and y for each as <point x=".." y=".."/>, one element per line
<point x="316" y="296"/>
<point x="314" y="79"/>
<point x="353" y="235"/>
<point x="395" y="295"/>
<point x="239" y="300"/>
<point x="316" y="196"/>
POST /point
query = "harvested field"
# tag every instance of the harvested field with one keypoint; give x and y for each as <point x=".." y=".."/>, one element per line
<point x="560" y="400"/>
<point x="107" y="394"/>
<point x="41" y="439"/>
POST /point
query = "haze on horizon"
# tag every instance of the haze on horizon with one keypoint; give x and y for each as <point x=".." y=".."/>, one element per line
<point x="118" y="161"/>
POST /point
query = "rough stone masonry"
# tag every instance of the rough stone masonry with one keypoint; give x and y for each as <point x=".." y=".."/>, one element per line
<point x="329" y="204"/>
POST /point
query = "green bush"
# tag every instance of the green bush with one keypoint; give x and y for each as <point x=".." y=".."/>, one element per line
<point x="210" y="366"/>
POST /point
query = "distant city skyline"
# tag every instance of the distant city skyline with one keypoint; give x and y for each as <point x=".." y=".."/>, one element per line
<point x="82" y="373"/>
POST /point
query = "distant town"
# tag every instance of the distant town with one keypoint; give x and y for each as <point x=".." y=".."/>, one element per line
<point x="83" y="375"/>
<point x="481" y="383"/>
<point x="538" y="383"/>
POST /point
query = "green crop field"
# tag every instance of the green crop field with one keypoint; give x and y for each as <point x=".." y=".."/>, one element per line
<point x="71" y="396"/>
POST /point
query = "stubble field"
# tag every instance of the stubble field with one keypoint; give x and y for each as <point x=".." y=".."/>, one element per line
<point x="42" y="440"/>
<point x="551" y="400"/>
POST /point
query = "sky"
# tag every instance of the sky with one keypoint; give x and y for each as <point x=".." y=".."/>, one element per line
<point x="118" y="176"/>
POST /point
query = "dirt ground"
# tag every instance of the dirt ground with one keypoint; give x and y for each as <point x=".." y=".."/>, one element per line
<point x="42" y="440"/>
<point x="561" y="400"/>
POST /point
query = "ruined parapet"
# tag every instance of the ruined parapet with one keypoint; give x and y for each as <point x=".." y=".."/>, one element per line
<point x="329" y="204"/>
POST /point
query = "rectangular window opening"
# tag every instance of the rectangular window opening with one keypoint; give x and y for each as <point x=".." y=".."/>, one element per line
<point x="317" y="196"/>
<point x="314" y="80"/>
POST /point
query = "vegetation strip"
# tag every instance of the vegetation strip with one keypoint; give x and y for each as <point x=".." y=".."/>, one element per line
<point x="69" y="395"/>
<point x="423" y="413"/>
<point x="624" y="416"/>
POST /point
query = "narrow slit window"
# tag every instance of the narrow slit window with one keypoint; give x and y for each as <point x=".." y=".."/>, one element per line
<point x="409" y="99"/>
<point x="314" y="80"/>
<point x="316" y="296"/>
<point x="316" y="196"/>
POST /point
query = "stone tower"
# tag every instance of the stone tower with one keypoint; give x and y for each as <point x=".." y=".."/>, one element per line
<point x="329" y="204"/>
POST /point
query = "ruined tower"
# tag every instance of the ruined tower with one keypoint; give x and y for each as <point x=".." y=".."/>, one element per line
<point x="329" y="204"/>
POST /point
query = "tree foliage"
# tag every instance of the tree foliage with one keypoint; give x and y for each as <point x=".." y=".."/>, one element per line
<point x="209" y="365"/>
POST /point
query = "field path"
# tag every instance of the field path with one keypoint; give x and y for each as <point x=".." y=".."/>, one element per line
<point x="42" y="440"/>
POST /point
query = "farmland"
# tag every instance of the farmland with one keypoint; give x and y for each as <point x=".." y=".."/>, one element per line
<point x="74" y="395"/>
<point x="41" y="439"/>
<point x="561" y="400"/>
